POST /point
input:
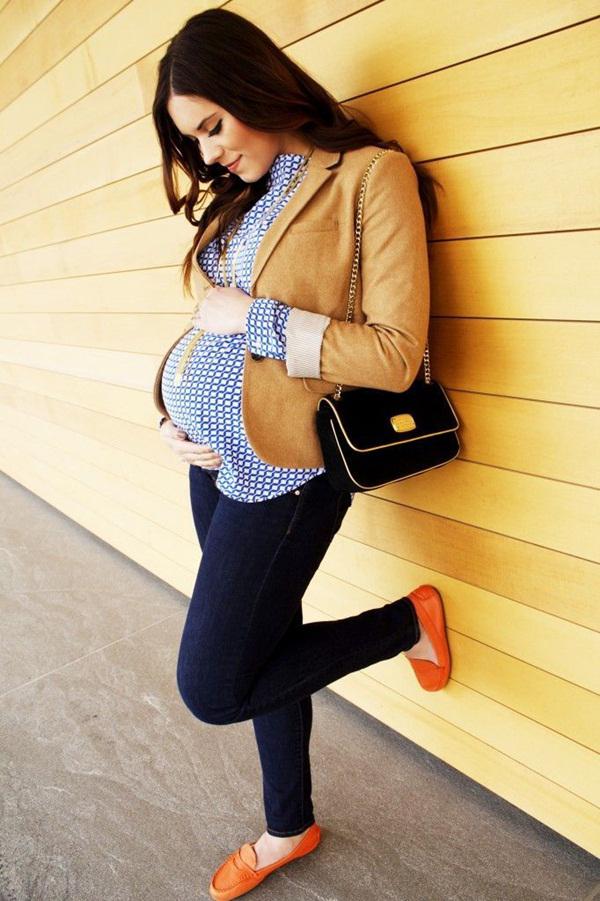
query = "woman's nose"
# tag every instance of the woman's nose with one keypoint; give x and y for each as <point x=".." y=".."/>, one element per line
<point x="211" y="156"/>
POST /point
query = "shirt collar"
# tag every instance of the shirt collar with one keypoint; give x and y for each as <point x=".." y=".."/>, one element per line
<point x="283" y="167"/>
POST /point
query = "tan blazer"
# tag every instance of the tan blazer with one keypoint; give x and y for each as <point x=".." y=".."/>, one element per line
<point x="305" y="260"/>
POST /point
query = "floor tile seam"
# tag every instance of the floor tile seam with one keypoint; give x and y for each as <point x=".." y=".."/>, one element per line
<point x="98" y="650"/>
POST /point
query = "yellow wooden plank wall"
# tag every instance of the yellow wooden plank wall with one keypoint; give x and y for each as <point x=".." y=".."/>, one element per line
<point x="501" y="101"/>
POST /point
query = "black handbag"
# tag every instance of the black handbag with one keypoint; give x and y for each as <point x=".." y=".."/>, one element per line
<point x="371" y="437"/>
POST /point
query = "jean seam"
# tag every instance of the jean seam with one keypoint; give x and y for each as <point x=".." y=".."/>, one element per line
<point x="297" y="508"/>
<point x="259" y="591"/>
<point x="299" y="751"/>
<point x="337" y="523"/>
<point x="300" y="745"/>
<point x="283" y="541"/>
<point x="299" y="705"/>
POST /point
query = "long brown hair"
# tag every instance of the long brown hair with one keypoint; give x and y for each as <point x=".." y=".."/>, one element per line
<point x="223" y="57"/>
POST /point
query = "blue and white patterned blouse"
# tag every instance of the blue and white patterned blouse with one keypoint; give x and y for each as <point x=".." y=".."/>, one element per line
<point x="207" y="403"/>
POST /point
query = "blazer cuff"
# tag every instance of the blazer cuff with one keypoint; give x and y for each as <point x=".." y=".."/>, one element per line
<point x="304" y="336"/>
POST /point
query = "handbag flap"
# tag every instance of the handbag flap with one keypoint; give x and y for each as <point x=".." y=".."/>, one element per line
<point x="372" y="419"/>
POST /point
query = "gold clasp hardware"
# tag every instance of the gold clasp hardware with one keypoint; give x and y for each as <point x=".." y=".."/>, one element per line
<point x="403" y="422"/>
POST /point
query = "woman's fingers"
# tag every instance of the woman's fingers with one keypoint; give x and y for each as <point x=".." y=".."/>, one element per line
<point x="170" y="430"/>
<point x="198" y="454"/>
<point x="213" y="463"/>
<point x="188" y="451"/>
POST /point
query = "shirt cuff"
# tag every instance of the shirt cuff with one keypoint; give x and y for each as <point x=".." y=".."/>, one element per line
<point x="304" y="336"/>
<point x="266" y="322"/>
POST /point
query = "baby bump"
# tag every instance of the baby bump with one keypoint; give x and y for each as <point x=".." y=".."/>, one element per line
<point x="204" y="401"/>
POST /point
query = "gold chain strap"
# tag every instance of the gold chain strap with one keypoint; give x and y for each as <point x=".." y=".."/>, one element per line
<point x="354" y="275"/>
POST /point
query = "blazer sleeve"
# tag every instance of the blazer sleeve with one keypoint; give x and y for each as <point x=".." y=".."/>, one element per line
<point x="386" y="350"/>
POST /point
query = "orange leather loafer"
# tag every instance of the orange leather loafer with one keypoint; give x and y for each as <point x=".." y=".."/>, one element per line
<point x="237" y="875"/>
<point x="430" y="610"/>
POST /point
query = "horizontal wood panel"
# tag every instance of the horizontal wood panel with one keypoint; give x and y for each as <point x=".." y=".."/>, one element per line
<point x="17" y="19"/>
<point x="143" y="246"/>
<point x="551" y="361"/>
<point x="132" y="31"/>
<point x="513" y="185"/>
<point x="407" y="45"/>
<point x="113" y="367"/>
<point x="110" y="107"/>
<point x="125" y="153"/>
<point x="556" y="441"/>
<point x="544" y="276"/>
<point x="60" y="28"/>
<point x="155" y="290"/>
<point x="444" y="112"/>
<point x="127" y="201"/>
<point x="472" y="555"/>
<point x="299" y="19"/>
<point x="36" y="389"/>
<point x="553" y="514"/>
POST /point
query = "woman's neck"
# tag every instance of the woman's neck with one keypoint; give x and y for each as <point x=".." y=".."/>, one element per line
<point x="293" y="143"/>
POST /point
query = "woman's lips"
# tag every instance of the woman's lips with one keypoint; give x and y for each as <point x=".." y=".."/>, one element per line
<point x="234" y="165"/>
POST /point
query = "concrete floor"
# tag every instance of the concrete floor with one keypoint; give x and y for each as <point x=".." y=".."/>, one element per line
<point x="112" y="790"/>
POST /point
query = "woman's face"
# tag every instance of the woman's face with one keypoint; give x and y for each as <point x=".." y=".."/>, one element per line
<point x="224" y="139"/>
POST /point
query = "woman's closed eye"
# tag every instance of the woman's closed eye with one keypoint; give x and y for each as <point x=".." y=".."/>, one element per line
<point x="213" y="131"/>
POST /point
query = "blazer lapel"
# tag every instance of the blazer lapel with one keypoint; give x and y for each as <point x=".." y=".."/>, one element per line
<point x="315" y="178"/>
<point x="319" y="171"/>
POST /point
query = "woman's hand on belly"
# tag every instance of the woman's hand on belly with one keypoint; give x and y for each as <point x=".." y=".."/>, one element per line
<point x="222" y="310"/>
<point x="188" y="451"/>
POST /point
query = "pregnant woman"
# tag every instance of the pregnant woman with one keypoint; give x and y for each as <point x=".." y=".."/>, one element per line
<point x="281" y="162"/>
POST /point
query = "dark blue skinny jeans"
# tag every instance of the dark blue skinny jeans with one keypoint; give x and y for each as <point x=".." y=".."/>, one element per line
<point x="245" y="652"/>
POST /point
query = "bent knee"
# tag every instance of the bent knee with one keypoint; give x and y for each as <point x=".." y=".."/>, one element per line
<point x="207" y="706"/>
